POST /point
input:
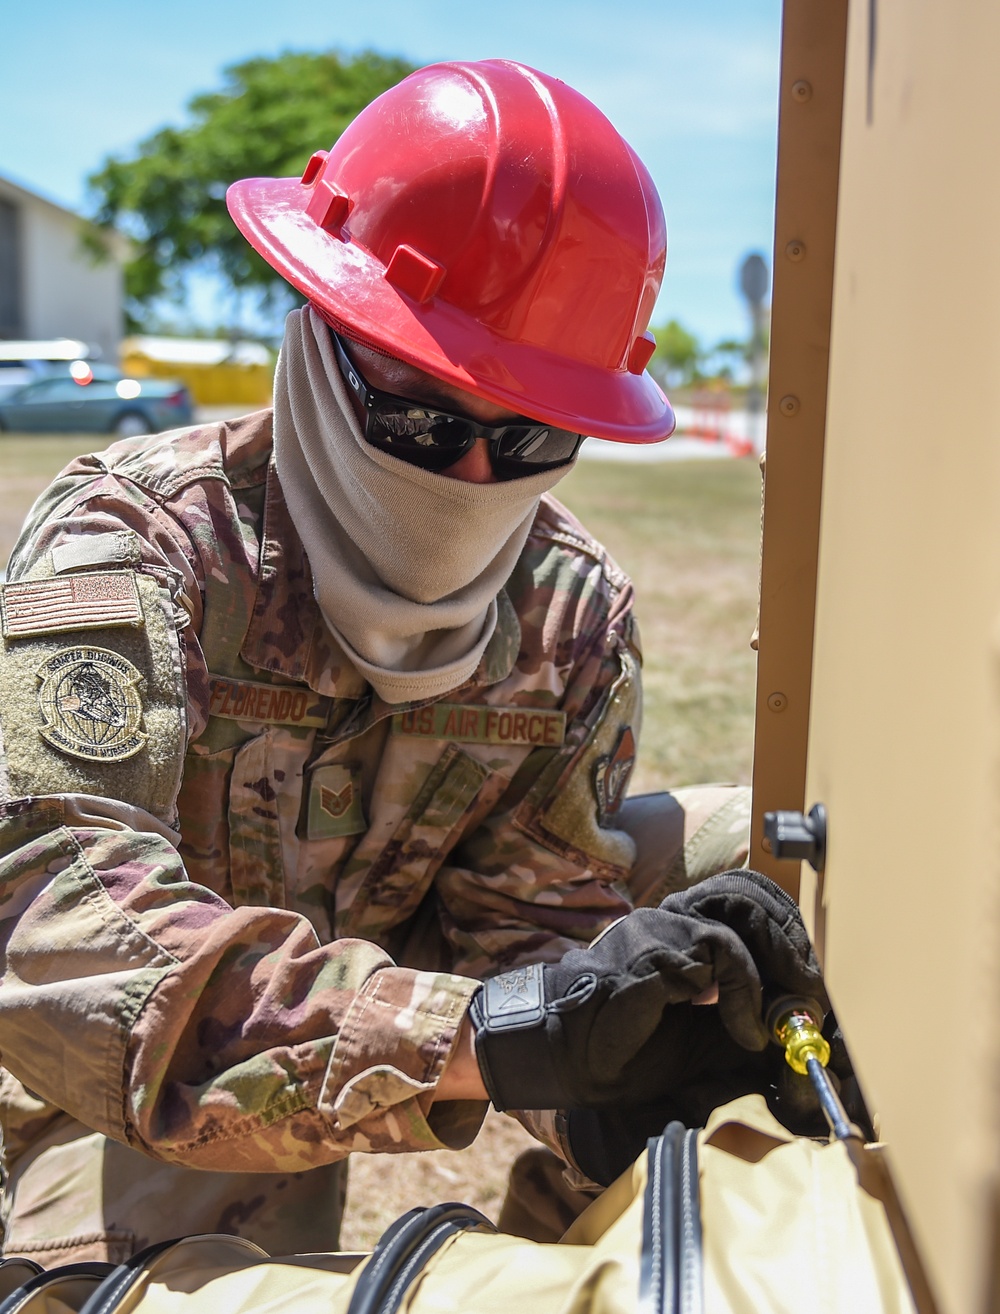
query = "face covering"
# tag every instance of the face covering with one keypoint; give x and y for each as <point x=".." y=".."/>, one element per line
<point x="406" y="563"/>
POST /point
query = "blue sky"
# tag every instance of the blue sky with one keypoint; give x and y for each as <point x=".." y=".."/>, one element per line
<point x="692" y="86"/>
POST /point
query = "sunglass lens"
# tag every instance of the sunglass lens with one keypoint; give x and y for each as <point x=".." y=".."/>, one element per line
<point x="421" y="437"/>
<point x="535" y="447"/>
<point x="396" y="425"/>
<point x="435" y="440"/>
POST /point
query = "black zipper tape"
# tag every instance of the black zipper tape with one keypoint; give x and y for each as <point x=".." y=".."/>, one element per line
<point x="670" y="1266"/>
<point x="404" y="1249"/>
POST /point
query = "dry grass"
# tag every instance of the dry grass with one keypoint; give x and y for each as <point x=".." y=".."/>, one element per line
<point x="687" y="532"/>
<point x="26" y="466"/>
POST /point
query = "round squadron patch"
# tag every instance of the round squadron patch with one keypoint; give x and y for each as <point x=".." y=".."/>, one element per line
<point x="90" y="704"/>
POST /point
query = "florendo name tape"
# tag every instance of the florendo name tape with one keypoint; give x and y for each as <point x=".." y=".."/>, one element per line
<point x="462" y="724"/>
<point x="270" y="704"/>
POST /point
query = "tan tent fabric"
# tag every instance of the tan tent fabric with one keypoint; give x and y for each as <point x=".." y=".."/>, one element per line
<point x="788" y="1224"/>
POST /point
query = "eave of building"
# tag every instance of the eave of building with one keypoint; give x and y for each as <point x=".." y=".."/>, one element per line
<point x="117" y="243"/>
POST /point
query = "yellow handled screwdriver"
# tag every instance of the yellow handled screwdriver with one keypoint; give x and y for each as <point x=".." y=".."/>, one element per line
<point x="795" y="1024"/>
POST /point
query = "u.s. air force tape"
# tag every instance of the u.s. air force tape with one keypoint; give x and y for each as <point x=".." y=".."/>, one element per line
<point x="462" y="724"/>
<point x="267" y="704"/>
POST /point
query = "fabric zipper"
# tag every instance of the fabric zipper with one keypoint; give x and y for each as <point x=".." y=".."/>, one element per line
<point x="670" y="1266"/>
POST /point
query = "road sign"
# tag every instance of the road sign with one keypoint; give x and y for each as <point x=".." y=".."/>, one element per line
<point x="754" y="279"/>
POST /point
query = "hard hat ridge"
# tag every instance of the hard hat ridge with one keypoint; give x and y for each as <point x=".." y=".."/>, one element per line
<point x="487" y="224"/>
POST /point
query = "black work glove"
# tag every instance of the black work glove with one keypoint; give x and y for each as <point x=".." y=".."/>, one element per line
<point x="575" y="1034"/>
<point x="604" y="1142"/>
<point x="768" y="922"/>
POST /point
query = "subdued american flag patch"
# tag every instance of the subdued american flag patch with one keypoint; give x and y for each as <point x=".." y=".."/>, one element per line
<point x="71" y="602"/>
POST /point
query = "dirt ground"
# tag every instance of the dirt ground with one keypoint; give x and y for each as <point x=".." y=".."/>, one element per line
<point x="688" y="534"/>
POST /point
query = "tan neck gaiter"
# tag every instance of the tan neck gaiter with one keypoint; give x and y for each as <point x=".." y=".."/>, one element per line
<point x="406" y="563"/>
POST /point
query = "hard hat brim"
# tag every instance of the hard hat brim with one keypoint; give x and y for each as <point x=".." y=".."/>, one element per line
<point x="349" y="284"/>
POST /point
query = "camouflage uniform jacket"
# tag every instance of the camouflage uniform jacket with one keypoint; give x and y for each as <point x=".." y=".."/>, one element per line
<point x="216" y="842"/>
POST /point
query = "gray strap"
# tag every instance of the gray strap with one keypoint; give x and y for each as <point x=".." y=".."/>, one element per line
<point x="515" y="1000"/>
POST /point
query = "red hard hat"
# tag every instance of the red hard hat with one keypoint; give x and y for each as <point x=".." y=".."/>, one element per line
<point x="487" y="224"/>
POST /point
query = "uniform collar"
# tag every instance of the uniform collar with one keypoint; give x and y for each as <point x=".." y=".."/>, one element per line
<point x="287" y="635"/>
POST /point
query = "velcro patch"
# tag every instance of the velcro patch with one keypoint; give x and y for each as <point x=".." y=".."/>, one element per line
<point x="71" y="602"/>
<point x="335" y="803"/>
<point x="90" y="704"/>
<point x="611" y="776"/>
<point x="462" y="724"/>
<point x="267" y="704"/>
<point x="108" y="720"/>
<point x="119" y="547"/>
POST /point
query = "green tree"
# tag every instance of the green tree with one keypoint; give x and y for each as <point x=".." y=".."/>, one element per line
<point x="267" y="119"/>
<point x="677" y="354"/>
<point x="730" y="353"/>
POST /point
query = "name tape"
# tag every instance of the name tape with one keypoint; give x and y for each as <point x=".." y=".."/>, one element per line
<point x="462" y="724"/>
<point x="268" y="704"/>
<point x="72" y="602"/>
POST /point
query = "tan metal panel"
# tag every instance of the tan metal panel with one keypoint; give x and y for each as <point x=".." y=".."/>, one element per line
<point x="811" y="96"/>
<point x="904" y="743"/>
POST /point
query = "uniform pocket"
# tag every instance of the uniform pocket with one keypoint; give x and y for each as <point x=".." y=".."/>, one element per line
<point x="256" y="868"/>
<point x="400" y="874"/>
<point x="204" y="809"/>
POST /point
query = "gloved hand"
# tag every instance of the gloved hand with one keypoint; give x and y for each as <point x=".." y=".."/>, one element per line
<point x="768" y="922"/>
<point x="575" y="1034"/>
<point x="604" y="1142"/>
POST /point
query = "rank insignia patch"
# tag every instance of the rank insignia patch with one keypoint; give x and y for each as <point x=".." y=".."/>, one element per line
<point x="611" y="776"/>
<point x="335" y="803"/>
<point x="90" y="704"/>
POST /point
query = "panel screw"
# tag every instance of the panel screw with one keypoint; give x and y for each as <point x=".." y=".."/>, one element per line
<point x="789" y="405"/>
<point x="795" y="250"/>
<point x="802" y="91"/>
<point x="777" y="702"/>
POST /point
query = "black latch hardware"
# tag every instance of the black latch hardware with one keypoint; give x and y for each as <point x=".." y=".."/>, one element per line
<point x="796" y="836"/>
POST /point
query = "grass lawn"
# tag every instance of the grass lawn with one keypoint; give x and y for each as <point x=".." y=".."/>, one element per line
<point x="688" y="534"/>
<point x="26" y="465"/>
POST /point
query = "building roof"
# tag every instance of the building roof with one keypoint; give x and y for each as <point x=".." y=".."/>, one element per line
<point x="197" y="351"/>
<point x="117" y="244"/>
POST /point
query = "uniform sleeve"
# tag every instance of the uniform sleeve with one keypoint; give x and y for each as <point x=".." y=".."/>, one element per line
<point x="547" y="869"/>
<point x="139" y="1002"/>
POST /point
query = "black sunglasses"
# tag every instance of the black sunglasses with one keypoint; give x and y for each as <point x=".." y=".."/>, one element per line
<point x="437" y="439"/>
